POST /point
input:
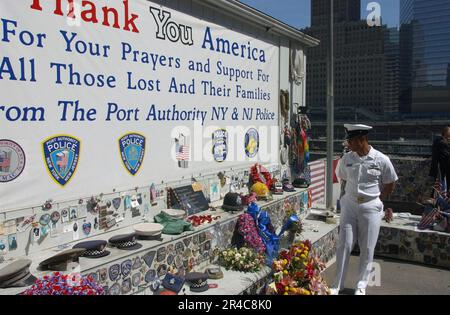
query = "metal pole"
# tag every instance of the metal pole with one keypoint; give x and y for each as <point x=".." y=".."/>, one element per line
<point x="330" y="111"/>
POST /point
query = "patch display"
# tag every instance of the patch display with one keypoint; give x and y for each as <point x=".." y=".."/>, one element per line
<point x="220" y="145"/>
<point x="187" y="241"/>
<point x="116" y="203"/>
<point x="251" y="143"/>
<point x="87" y="228"/>
<point x="136" y="279"/>
<point x="126" y="267"/>
<point x="94" y="276"/>
<point x="161" y="254"/>
<point x="179" y="248"/>
<point x="114" y="272"/>
<point x="170" y="259"/>
<point x="162" y="270"/>
<point x="55" y="216"/>
<point x="178" y="261"/>
<point x="150" y="276"/>
<point x="45" y="219"/>
<point x="103" y="273"/>
<point x="132" y="151"/>
<point x="137" y="263"/>
<point x="61" y="157"/>
<point x="114" y="289"/>
<point x="126" y="286"/>
<point x="148" y="258"/>
<point x="12" y="160"/>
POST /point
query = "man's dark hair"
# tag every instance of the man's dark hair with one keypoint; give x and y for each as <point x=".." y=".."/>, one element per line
<point x="445" y="130"/>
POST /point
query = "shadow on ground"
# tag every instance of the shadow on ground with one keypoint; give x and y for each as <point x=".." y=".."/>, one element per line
<point x="397" y="278"/>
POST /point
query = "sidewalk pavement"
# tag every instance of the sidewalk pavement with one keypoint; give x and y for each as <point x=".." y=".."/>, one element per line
<point x="397" y="278"/>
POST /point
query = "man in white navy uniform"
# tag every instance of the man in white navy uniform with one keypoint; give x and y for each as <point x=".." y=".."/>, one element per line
<point x="368" y="175"/>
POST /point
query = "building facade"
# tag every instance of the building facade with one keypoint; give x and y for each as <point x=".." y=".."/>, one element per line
<point x="425" y="56"/>
<point x="366" y="63"/>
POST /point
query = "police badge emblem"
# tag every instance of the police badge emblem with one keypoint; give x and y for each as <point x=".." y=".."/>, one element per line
<point x="132" y="151"/>
<point x="12" y="160"/>
<point x="116" y="203"/>
<point x="251" y="142"/>
<point x="61" y="156"/>
<point x="220" y="145"/>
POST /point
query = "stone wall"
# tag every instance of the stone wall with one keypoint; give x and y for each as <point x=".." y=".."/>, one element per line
<point x="414" y="184"/>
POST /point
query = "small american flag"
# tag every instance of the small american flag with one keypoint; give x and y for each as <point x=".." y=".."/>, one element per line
<point x="428" y="219"/>
<point x="62" y="161"/>
<point x="182" y="153"/>
<point x="5" y="161"/>
<point x="441" y="187"/>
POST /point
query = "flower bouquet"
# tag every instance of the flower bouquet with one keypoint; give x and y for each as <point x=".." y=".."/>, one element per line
<point x="197" y="220"/>
<point x="296" y="226"/>
<point x="298" y="272"/>
<point x="247" y="228"/>
<point x="243" y="259"/>
<point x="59" y="284"/>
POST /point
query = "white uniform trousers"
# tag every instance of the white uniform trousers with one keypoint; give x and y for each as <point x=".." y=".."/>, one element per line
<point x="359" y="223"/>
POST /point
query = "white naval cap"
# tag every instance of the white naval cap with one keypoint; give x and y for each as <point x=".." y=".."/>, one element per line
<point x="356" y="130"/>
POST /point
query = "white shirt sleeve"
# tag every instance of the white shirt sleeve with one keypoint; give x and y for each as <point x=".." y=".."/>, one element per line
<point x="388" y="174"/>
<point x="340" y="169"/>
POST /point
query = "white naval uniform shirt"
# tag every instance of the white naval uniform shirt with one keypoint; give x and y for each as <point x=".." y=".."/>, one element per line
<point x="365" y="175"/>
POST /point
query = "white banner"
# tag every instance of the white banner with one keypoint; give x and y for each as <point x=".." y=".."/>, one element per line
<point x="92" y="93"/>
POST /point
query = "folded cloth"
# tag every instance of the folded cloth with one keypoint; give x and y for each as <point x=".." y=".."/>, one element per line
<point x="171" y="225"/>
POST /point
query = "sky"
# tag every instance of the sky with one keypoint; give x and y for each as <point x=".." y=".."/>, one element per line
<point x="297" y="13"/>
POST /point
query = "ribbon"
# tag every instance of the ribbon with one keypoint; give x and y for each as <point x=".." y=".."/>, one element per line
<point x="266" y="231"/>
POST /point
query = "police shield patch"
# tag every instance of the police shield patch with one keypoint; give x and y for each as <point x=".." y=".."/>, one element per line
<point x="220" y="145"/>
<point x="61" y="156"/>
<point x="132" y="151"/>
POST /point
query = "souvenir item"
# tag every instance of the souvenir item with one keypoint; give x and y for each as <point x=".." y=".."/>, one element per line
<point x="261" y="190"/>
<point x="60" y="261"/>
<point x="132" y="151"/>
<point x="87" y="228"/>
<point x="259" y="174"/>
<point x="137" y="263"/>
<point x="55" y="217"/>
<point x="45" y="219"/>
<point x="125" y="267"/>
<point x="114" y="272"/>
<point x="174" y="213"/>
<point x="126" y="286"/>
<point x="148" y="258"/>
<point x="232" y="202"/>
<point x="93" y="249"/>
<point x="173" y="283"/>
<point x="220" y="145"/>
<point x="114" y="289"/>
<point x="12" y="160"/>
<point x="214" y="273"/>
<point x="251" y="143"/>
<point x="125" y="242"/>
<point x="25" y="224"/>
<point x="12" y="242"/>
<point x="61" y="156"/>
<point x="116" y="203"/>
<point x="214" y="190"/>
<point x="136" y="279"/>
<point x="144" y="230"/>
<point x="17" y="274"/>
<point x="197" y="281"/>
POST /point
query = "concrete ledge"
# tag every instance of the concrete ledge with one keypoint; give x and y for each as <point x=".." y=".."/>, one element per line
<point x="402" y="240"/>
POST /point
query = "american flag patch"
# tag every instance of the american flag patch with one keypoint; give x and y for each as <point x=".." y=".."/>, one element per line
<point x="5" y="161"/>
<point x="182" y="153"/>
